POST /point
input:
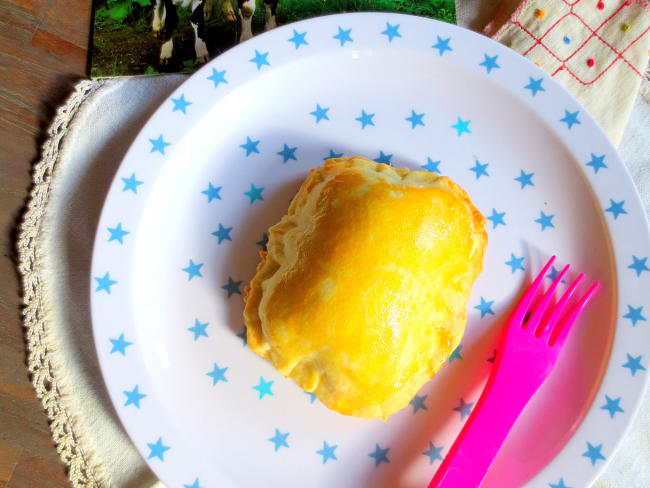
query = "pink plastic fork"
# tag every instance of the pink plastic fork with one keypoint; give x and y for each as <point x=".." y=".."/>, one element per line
<point x="526" y="355"/>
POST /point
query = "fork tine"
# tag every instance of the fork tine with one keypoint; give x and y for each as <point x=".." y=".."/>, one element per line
<point x="524" y="304"/>
<point x="559" y="335"/>
<point x="536" y="318"/>
<point x="559" y="308"/>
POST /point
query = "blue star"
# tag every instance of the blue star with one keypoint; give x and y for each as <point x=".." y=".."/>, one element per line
<point x="243" y="336"/>
<point x="417" y="402"/>
<point x="134" y="397"/>
<point x="380" y="455"/>
<point x="442" y="45"/>
<point x="232" y="287"/>
<point x="320" y="113"/>
<point x="553" y="274"/>
<point x="117" y="233"/>
<point x="250" y="146"/>
<point x="490" y="62"/>
<point x="255" y="193"/>
<point x="193" y="270"/>
<point x="198" y="329"/>
<point x="515" y="263"/>
<point x="193" y="485"/>
<point x="560" y="484"/>
<point x="616" y="208"/>
<point x="455" y="354"/>
<point x="327" y="452"/>
<point x="105" y="283"/>
<point x="287" y="153"/>
<point x="634" y="364"/>
<point x="597" y="162"/>
<point x="415" y="119"/>
<point x="279" y="439"/>
<point x="433" y="453"/>
<point x="525" y="179"/>
<point x="181" y="104"/>
<point x="391" y="31"/>
<point x="212" y="192"/>
<point x="383" y="158"/>
<point x="462" y="126"/>
<point x="634" y="314"/>
<point x="218" y="77"/>
<point x="464" y="408"/>
<point x="260" y="59"/>
<point x="120" y="345"/>
<point x="365" y="119"/>
<point x="343" y="36"/>
<point x="571" y="118"/>
<point x="496" y="218"/>
<point x="480" y="169"/>
<point x="332" y="154"/>
<point x="485" y="307"/>
<point x="223" y="233"/>
<point x="298" y="39"/>
<point x="432" y="166"/>
<point x="593" y="453"/>
<point x="158" y="449"/>
<point x="534" y="86"/>
<point x="159" y="145"/>
<point x="264" y="388"/>
<point x="639" y="265"/>
<point x="612" y="406"/>
<point x="264" y="241"/>
<point x="545" y="220"/>
<point x="131" y="183"/>
<point x="217" y="374"/>
<point x="312" y="397"/>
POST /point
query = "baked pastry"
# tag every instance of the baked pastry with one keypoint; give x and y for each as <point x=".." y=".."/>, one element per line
<point x="361" y="296"/>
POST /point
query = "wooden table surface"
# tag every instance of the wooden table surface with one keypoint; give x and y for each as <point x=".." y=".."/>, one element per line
<point x="43" y="52"/>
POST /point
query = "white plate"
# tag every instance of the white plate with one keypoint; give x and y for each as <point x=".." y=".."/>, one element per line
<point x="219" y="155"/>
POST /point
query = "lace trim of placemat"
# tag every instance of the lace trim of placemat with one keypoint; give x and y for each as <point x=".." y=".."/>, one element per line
<point x="39" y="355"/>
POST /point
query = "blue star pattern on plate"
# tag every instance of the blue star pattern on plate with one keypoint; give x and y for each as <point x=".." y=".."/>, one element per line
<point x="244" y="338"/>
<point x="343" y="36"/>
<point x="380" y="455"/>
<point x="217" y="374"/>
<point x="415" y="119"/>
<point x="198" y="329"/>
<point x="515" y="263"/>
<point x="320" y="113"/>
<point x="525" y="179"/>
<point x="490" y="63"/>
<point x="639" y="265"/>
<point x="432" y="166"/>
<point x="250" y="146"/>
<point x="559" y="484"/>
<point x="553" y="274"/>
<point x="117" y="233"/>
<point x="312" y="397"/>
<point x="634" y="314"/>
<point x="534" y="85"/>
<point x="104" y="283"/>
<point x="181" y="104"/>
<point x="131" y="183"/>
<point x="222" y="233"/>
<point x="597" y="162"/>
<point x="456" y="354"/>
<point x="497" y="218"/>
<point x="480" y="169"/>
<point x="593" y="453"/>
<point x="264" y="388"/>
<point x="120" y="345"/>
<point x="279" y="439"/>
<point x="254" y="193"/>
<point x="193" y="269"/>
<point x="570" y="118"/>
<point x="417" y="402"/>
<point x="212" y="192"/>
<point x="634" y="364"/>
<point x="442" y="45"/>
<point x="133" y="397"/>
<point x="194" y="485"/>
<point x="433" y="453"/>
<point x="327" y="452"/>
<point x="218" y="77"/>
<point x="365" y="119"/>
<point x="462" y="126"/>
<point x="485" y="307"/>
<point x="333" y="154"/>
<point x="158" y="449"/>
<point x="616" y="208"/>
<point x="383" y="158"/>
<point x="298" y="39"/>
<point x="612" y="406"/>
<point x="260" y="59"/>
<point x="287" y="153"/>
<point x="159" y="145"/>
<point x="391" y="31"/>
<point x="545" y="220"/>
<point x="232" y="287"/>
<point x="464" y="409"/>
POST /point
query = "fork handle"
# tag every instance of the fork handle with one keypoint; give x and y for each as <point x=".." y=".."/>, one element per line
<point x="469" y="458"/>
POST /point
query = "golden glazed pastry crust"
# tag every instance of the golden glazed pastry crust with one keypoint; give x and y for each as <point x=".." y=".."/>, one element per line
<point x="361" y="296"/>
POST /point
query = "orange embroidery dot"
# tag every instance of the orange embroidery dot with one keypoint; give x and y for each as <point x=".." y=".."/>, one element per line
<point x="538" y="65"/>
<point x="591" y="62"/>
<point x="539" y="13"/>
<point x="626" y="27"/>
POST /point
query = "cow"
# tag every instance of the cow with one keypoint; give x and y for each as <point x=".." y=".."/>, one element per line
<point x="165" y="21"/>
